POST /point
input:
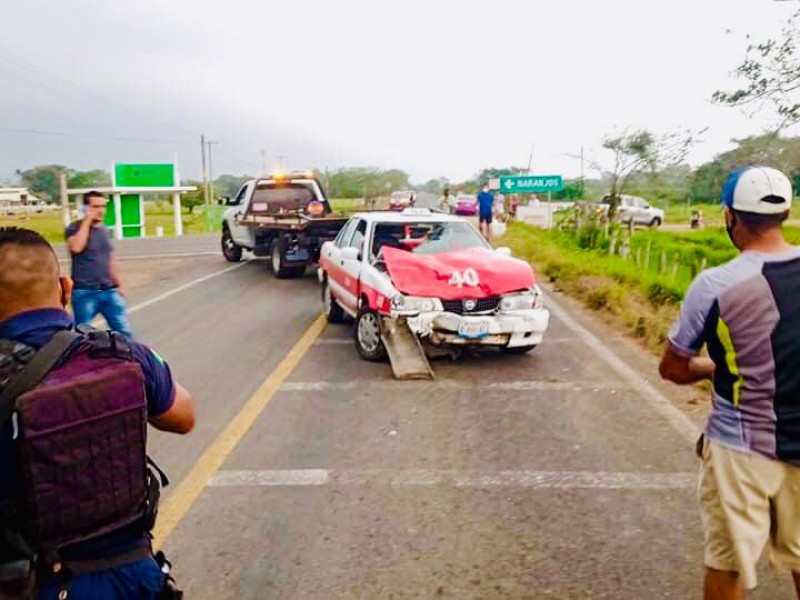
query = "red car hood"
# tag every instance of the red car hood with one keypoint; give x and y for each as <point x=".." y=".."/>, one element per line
<point x="438" y="275"/>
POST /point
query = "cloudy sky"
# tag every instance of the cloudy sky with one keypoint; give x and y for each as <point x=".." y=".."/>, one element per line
<point x="435" y="87"/>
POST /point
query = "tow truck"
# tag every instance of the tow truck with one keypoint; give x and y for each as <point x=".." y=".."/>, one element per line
<point x="285" y="216"/>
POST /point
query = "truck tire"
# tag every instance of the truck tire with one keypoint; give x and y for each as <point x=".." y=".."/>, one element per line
<point x="279" y="267"/>
<point x="230" y="249"/>
<point x="367" y="335"/>
<point x="333" y="312"/>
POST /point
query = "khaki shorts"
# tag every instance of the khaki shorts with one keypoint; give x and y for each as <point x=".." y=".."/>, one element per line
<point x="747" y="500"/>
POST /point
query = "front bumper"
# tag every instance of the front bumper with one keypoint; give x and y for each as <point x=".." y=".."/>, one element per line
<point x="511" y="329"/>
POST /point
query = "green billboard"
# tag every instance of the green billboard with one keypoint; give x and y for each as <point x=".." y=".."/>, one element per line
<point x="144" y="175"/>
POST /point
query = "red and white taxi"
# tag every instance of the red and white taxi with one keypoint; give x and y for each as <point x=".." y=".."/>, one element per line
<point x="436" y="272"/>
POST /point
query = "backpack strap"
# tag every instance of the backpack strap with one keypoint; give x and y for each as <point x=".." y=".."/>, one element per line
<point x="37" y="368"/>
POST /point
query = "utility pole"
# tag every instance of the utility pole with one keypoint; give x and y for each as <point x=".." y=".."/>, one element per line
<point x="210" y="172"/>
<point x="280" y="162"/>
<point x="62" y="187"/>
<point x="583" y="181"/>
<point x="205" y="172"/>
<point x="530" y="159"/>
<point x="263" y="161"/>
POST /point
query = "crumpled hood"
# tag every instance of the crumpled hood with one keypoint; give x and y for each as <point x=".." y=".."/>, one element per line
<point x="452" y="275"/>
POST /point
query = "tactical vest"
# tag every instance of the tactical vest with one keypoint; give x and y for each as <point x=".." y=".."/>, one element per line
<point x="79" y="414"/>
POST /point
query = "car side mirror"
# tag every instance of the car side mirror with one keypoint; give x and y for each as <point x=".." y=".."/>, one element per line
<point x="503" y="251"/>
<point x="231" y="201"/>
<point x="351" y="253"/>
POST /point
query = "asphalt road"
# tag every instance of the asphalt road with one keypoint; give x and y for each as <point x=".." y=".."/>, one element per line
<point x="561" y="474"/>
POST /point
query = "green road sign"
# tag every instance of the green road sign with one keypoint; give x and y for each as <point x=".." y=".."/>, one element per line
<point x="531" y="184"/>
<point x="144" y="175"/>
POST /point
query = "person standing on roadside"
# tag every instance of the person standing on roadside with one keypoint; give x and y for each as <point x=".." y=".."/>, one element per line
<point x="98" y="288"/>
<point x="747" y="314"/>
<point x="485" y="209"/>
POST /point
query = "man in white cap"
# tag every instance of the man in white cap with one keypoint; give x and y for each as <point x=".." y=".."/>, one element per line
<point x="747" y="314"/>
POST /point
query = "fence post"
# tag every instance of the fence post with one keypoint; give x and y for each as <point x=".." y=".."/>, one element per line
<point x="647" y="256"/>
<point x="662" y="263"/>
<point x="675" y="265"/>
<point x="638" y="256"/>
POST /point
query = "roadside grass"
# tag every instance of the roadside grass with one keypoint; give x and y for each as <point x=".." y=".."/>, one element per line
<point x="639" y="292"/>
<point x="680" y="214"/>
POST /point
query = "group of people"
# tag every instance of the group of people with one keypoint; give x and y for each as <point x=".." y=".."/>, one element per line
<point x="745" y="313"/>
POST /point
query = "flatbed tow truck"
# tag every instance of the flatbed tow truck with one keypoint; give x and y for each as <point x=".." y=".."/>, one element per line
<point x="285" y="216"/>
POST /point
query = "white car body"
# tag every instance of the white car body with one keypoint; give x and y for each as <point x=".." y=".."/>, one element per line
<point x="639" y="210"/>
<point x="356" y="283"/>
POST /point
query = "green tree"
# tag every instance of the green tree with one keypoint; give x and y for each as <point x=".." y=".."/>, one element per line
<point x="89" y="179"/>
<point x="771" y="75"/>
<point x="226" y="185"/>
<point x="42" y="180"/>
<point x="191" y="200"/>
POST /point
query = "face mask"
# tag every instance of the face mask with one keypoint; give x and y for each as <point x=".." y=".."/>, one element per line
<point x="729" y="228"/>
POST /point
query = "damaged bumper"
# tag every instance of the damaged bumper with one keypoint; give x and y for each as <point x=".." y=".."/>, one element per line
<point x="511" y="329"/>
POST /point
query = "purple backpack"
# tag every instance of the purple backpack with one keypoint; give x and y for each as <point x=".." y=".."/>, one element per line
<point x="79" y="414"/>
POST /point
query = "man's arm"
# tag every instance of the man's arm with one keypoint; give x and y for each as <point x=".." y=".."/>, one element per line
<point x="685" y="369"/>
<point x="76" y="242"/>
<point x="179" y="418"/>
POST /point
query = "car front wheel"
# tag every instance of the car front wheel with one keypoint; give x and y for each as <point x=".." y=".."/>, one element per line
<point x="367" y="333"/>
<point x="655" y="223"/>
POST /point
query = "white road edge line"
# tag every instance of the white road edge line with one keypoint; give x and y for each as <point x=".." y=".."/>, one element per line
<point x="122" y="257"/>
<point x="184" y="287"/>
<point x="660" y="403"/>
<point x="460" y="479"/>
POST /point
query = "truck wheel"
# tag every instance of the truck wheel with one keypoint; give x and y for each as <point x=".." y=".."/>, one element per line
<point x="333" y="312"/>
<point x="367" y="333"/>
<point x="277" y="253"/>
<point x="230" y="249"/>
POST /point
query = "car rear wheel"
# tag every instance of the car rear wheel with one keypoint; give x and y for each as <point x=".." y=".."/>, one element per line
<point x="367" y="333"/>
<point x="519" y="350"/>
<point x="230" y="249"/>
<point x="333" y="312"/>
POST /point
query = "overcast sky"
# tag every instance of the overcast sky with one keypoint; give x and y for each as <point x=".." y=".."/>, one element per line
<point x="435" y="87"/>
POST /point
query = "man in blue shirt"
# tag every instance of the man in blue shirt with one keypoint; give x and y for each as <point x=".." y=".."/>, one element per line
<point x="98" y="288"/>
<point x="485" y="208"/>
<point x="32" y="301"/>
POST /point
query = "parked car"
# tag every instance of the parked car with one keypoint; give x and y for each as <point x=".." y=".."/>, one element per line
<point x="466" y="204"/>
<point x="638" y="210"/>
<point x="401" y="200"/>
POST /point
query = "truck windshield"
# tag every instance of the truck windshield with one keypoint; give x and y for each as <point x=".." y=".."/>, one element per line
<point x="426" y="238"/>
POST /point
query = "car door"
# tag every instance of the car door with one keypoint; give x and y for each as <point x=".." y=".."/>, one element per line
<point x="642" y="215"/>
<point x="350" y="261"/>
<point x="241" y="233"/>
<point x="334" y="263"/>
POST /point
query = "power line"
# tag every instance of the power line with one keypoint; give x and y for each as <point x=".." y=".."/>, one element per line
<point x="90" y="136"/>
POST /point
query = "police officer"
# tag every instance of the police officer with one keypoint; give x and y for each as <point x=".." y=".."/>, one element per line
<point x="33" y="297"/>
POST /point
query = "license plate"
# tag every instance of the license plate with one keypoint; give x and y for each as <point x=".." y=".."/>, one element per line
<point x="473" y="329"/>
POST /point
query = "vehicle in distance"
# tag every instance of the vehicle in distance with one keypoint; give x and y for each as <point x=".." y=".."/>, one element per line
<point x="401" y="200"/>
<point x="637" y="210"/>
<point x="465" y="204"/>
<point x="435" y="272"/>
<point x="285" y="216"/>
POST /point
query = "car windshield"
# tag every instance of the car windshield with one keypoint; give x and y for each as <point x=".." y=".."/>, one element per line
<point x="426" y="238"/>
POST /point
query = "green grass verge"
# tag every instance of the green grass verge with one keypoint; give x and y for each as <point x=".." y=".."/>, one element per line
<point x="639" y="294"/>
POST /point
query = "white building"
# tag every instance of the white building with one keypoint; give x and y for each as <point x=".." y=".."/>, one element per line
<point x="18" y="199"/>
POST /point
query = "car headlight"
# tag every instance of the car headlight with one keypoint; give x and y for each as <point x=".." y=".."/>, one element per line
<point x="531" y="299"/>
<point x="413" y="304"/>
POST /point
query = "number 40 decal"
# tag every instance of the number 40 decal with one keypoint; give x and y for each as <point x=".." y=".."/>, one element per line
<point x="468" y="277"/>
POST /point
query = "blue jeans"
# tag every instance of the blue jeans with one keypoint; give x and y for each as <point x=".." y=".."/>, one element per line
<point x="87" y="304"/>
<point x="140" y="580"/>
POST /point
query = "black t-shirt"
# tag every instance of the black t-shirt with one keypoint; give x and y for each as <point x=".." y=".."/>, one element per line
<point x="90" y="268"/>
